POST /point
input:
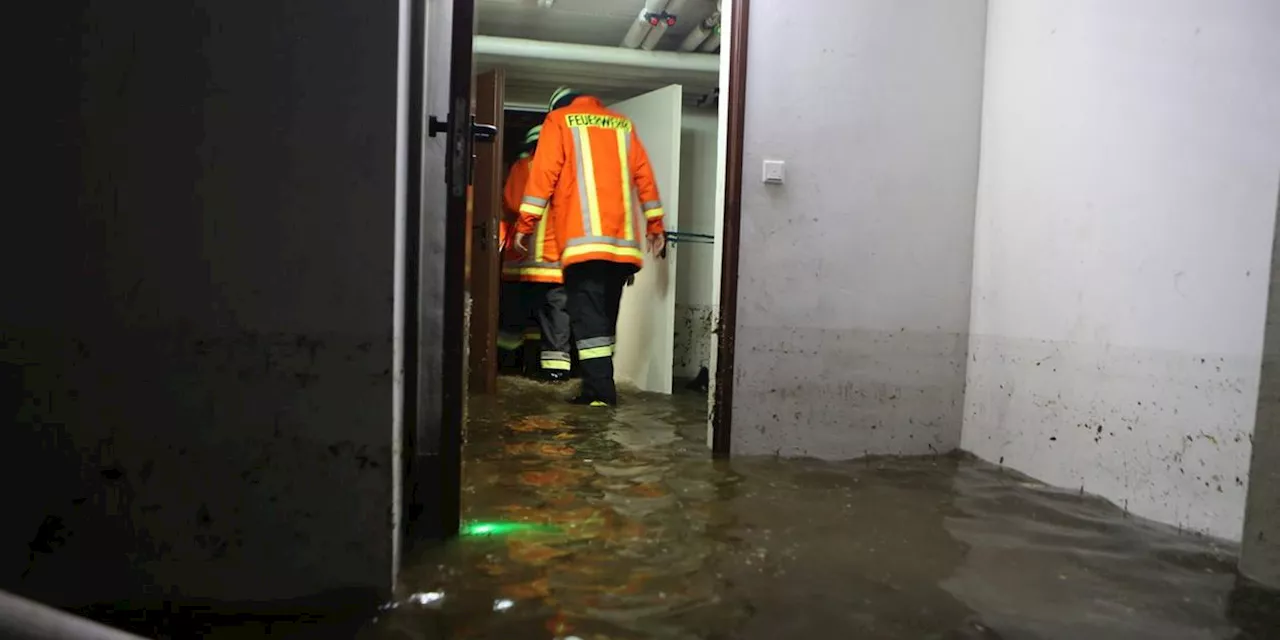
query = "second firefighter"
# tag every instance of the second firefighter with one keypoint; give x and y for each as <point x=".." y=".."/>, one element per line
<point x="532" y="283"/>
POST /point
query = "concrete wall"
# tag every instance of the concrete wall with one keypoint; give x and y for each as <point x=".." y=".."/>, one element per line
<point x="1130" y="153"/>
<point x="855" y="275"/>
<point x="699" y="157"/>
<point x="196" y="345"/>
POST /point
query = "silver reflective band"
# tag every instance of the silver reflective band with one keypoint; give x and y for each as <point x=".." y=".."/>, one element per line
<point x="537" y="202"/>
<point x="591" y="343"/>
<point x="583" y="203"/>
<point x="617" y="242"/>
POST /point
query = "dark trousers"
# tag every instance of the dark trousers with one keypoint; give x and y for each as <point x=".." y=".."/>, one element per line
<point x="595" y="294"/>
<point x="541" y="304"/>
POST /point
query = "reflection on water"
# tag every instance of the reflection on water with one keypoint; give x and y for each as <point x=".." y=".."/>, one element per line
<point x="594" y="524"/>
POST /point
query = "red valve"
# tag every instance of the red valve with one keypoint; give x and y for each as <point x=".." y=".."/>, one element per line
<point x="671" y="21"/>
<point x="653" y="20"/>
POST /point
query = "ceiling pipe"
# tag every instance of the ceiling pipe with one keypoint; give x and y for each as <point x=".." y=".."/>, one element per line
<point x="650" y="16"/>
<point x="494" y="49"/>
<point x="712" y="43"/>
<point x="671" y="15"/>
<point x="700" y="33"/>
<point x="546" y="4"/>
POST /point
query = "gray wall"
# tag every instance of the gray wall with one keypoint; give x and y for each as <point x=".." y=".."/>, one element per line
<point x="1126" y="205"/>
<point x="196" y="337"/>
<point x="854" y="283"/>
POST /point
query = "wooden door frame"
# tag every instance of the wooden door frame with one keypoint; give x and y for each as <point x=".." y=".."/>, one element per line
<point x="486" y="278"/>
<point x="731" y="231"/>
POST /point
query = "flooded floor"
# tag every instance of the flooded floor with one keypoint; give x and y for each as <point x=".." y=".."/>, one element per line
<point x="598" y="524"/>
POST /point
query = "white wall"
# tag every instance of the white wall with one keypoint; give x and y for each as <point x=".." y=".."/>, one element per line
<point x="699" y="157"/>
<point x="1130" y="152"/>
<point x="855" y="276"/>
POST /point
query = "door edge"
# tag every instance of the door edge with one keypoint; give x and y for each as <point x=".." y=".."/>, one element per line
<point x="727" y="321"/>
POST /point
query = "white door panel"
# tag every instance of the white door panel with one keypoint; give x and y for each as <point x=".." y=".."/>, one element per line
<point x="646" y="324"/>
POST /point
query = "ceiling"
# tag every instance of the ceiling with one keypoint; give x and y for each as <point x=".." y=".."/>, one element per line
<point x="599" y="22"/>
<point x="593" y="22"/>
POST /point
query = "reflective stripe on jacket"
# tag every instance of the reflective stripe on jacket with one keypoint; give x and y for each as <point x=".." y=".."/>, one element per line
<point x="542" y="263"/>
<point x="588" y="161"/>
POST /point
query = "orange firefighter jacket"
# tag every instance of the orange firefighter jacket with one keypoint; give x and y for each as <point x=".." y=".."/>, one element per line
<point x="542" y="263"/>
<point x="587" y="162"/>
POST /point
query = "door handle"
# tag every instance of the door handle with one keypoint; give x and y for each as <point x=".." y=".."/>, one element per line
<point x="486" y="133"/>
<point x="481" y="132"/>
<point x="462" y="135"/>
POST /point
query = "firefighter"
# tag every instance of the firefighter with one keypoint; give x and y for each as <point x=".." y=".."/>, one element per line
<point x="532" y="284"/>
<point x="588" y="161"/>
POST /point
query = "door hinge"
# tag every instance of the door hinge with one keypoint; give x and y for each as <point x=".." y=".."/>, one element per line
<point x="436" y="126"/>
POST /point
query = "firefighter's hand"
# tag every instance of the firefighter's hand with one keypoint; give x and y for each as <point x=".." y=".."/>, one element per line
<point x="521" y="243"/>
<point x="657" y="242"/>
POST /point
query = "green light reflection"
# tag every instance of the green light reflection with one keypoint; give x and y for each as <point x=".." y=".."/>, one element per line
<point x="479" y="528"/>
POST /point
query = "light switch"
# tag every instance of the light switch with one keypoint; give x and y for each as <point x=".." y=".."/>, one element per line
<point x="775" y="171"/>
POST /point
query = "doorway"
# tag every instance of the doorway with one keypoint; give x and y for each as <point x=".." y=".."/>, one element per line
<point x="437" y="373"/>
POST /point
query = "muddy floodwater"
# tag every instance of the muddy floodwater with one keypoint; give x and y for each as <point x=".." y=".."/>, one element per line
<point x="594" y="524"/>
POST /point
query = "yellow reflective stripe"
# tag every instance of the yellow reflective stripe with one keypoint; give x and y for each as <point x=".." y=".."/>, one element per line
<point x="582" y="249"/>
<point x="589" y="172"/>
<point x="531" y="271"/>
<point x="624" y="145"/>
<point x="652" y="214"/>
<point x="555" y="365"/>
<point x="510" y="342"/>
<point x="596" y="353"/>
<point x="532" y="210"/>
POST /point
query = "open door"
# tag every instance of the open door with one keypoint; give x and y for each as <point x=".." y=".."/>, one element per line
<point x="484" y="275"/>
<point x="646" y="322"/>
<point x="439" y="139"/>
